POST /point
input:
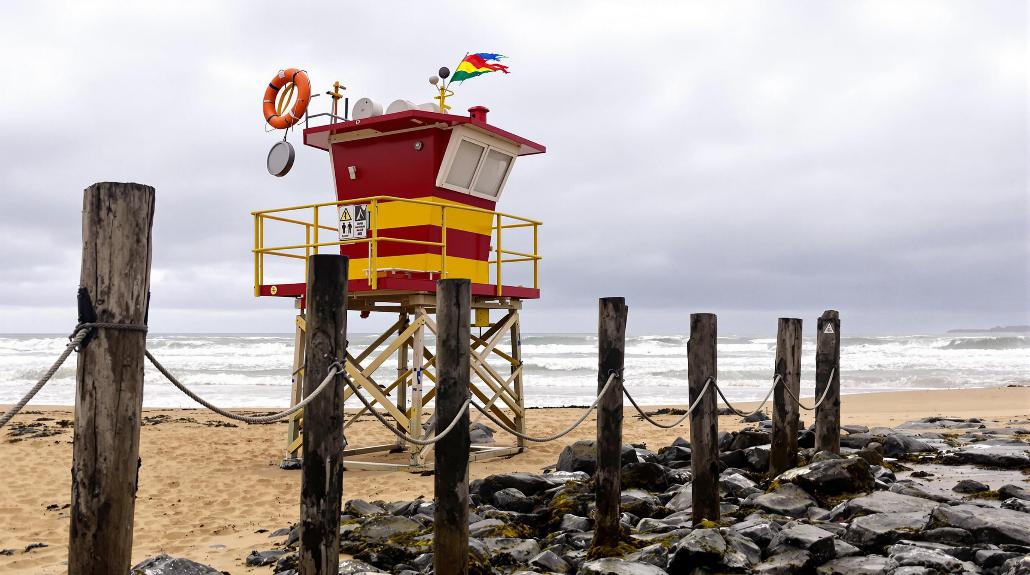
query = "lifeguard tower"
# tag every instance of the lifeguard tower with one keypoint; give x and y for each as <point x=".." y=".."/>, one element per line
<point x="416" y="198"/>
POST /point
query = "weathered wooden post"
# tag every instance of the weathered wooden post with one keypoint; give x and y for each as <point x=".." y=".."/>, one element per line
<point x="827" y="363"/>
<point x="115" y="278"/>
<point x="704" y="421"/>
<point x="611" y="351"/>
<point x="321" y="485"/>
<point x="451" y="483"/>
<point x="786" y="413"/>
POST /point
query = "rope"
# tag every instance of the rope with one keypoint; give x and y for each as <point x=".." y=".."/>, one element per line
<point x="777" y="379"/>
<point x="398" y="432"/>
<point x="826" y="392"/>
<point x="690" y="409"/>
<point x="558" y="435"/>
<point x="75" y="339"/>
<point x="334" y="369"/>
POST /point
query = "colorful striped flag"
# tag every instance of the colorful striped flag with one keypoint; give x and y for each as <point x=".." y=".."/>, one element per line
<point x="476" y="64"/>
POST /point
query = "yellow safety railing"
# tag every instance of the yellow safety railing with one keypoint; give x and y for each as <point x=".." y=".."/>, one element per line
<point x="312" y="242"/>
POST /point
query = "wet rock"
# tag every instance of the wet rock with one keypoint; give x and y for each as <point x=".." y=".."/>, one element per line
<point x="647" y="476"/>
<point x="511" y="551"/>
<point x="755" y="417"/>
<point x="747" y="438"/>
<point x="361" y="508"/>
<point x="872" y="456"/>
<point x="261" y="558"/>
<point x="852" y="429"/>
<point x="818" y="542"/>
<point x="737" y="485"/>
<point x="948" y="536"/>
<point x="281" y="532"/>
<point x="868" y="565"/>
<point x="354" y="566"/>
<point x="889" y="502"/>
<point x="611" y="566"/>
<point x="970" y="486"/>
<point x="683" y="499"/>
<point x="844" y="549"/>
<point x="911" y="489"/>
<point x="760" y="530"/>
<point x="673" y="454"/>
<point x="741" y="552"/>
<point x="511" y="499"/>
<point x="702" y="547"/>
<point x="529" y="484"/>
<point x="910" y="556"/>
<point x="582" y="456"/>
<point x="993" y="453"/>
<point x="1010" y="491"/>
<point x="550" y="562"/>
<point x="379" y="529"/>
<point x="899" y="445"/>
<point x="876" y="531"/>
<point x="656" y="555"/>
<point x="787" y="499"/>
<point x="166" y="565"/>
<point x="986" y="524"/>
<point x="787" y="562"/>
<point x="487" y="528"/>
<point x="757" y="458"/>
<point x="1014" y="504"/>
<point x="639" y="503"/>
<point x="832" y="477"/>
<point x="571" y="522"/>
<point x="858" y="440"/>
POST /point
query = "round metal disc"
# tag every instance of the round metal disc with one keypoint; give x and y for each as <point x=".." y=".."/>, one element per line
<point x="280" y="159"/>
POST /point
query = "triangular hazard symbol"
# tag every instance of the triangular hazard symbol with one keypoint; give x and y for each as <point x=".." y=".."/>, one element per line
<point x="828" y="328"/>
<point x="345" y="215"/>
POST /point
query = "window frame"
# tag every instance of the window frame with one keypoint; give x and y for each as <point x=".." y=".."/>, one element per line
<point x="489" y="144"/>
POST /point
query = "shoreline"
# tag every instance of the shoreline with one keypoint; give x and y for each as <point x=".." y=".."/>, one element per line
<point x="207" y="486"/>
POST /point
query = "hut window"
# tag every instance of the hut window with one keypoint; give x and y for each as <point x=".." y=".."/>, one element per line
<point x="491" y="175"/>
<point x="466" y="160"/>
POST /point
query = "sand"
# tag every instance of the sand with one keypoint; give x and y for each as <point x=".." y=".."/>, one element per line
<point x="206" y="490"/>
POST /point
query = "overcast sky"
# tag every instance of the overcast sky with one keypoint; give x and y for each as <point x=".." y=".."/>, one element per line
<point x="751" y="159"/>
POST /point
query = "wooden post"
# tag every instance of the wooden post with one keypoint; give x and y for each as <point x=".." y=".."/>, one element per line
<point x="611" y="351"/>
<point x="704" y="421"/>
<point x="827" y="361"/>
<point x="402" y="368"/>
<point x="451" y="482"/>
<point x="321" y="486"/>
<point x="516" y="354"/>
<point x="786" y="413"/>
<point x="115" y="276"/>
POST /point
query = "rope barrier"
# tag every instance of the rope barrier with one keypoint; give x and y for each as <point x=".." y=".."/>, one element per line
<point x="777" y="379"/>
<point x="80" y="333"/>
<point x="400" y="434"/>
<point x="334" y="369"/>
<point x="558" y="435"/>
<point x="690" y="409"/>
<point x="826" y="392"/>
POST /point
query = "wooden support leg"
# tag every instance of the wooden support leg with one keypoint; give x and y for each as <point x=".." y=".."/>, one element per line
<point x="293" y="425"/>
<point x="416" y="388"/>
<point x="518" y="372"/>
<point x="402" y="370"/>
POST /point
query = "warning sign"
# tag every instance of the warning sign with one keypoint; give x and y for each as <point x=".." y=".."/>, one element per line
<point x="828" y="328"/>
<point x="354" y="222"/>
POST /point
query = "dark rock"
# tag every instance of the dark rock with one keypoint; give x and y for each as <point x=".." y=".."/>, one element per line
<point x="868" y="565"/>
<point x="379" y="529"/>
<point x="852" y="429"/>
<point x="994" y="453"/>
<point x="818" y="542"/>
<point x="354" y="566"/>
<point x="832" y="477"/>
<point x="872" y="456"/>
<point x="702" y="547"/>
<point x="281" y="532"/>
<point x="582" y="456"/>
<point x="261" y="558"/>
<point x="948" y="536"/>
<point x="737" y="485"/>
<point x="734" y="458"/>
<point x="746" y="438"/>
<point x="911" y="489"/>
<point x="673" y="453"/>
<point x="511" y="551"/>
<point x="480" y="434"/>
<point x="910" y="556"/>
<point x="611" y="566"/>
<point x="548" y="561"/>
<point x="757" y="458"/>
<point x="742" y="553"/>
<point x="806" y="439"/>
<point x="511" y="499"/>
<point x="760" y="530"/>
<point x="529" y="484"/>
<point x="970" y="486"/>
<point x="899" y="445"/>
<point x="487" y="528"/>
<point x="993" y="558"/>
<point x="786" y="562"/>
<point x="986" y="524"/>
<point x="571" y="522"/>
<point x="826" y="456"/>
<point x="639" y="503"/>
<point x="755" y="417"/>
<point x="166" y="565"/>
<point x="876" y="531"/>
<point x="683" y="499"/>
<point x="1014" y="504"/>
<point x="858" y="440"/>
<point x="361" y="508"/>
<point x="656" y="555"/>
<point x="1009" y="491"/>
<point x="844" y="549"/>
<point x="647" y="476"/>
<point x="889" y="502"/>
<point x="787" y="499"/>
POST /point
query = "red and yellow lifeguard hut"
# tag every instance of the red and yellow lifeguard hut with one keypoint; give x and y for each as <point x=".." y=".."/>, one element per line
<point x="416" y="198"/>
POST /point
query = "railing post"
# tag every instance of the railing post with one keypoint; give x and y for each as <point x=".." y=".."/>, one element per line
<point x="450" y="483"/>
<point x="704" y="421"/>
<point x="321" y="487"/>
<point x="115" y="277"/>
<point x="827" y="362"/>
<point x="611" y="351"/>
<point x="786" y="413"/>
<point x="373" y="247"/>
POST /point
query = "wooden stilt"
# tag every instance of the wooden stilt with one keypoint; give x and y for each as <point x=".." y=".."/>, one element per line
<point x="611" y="351"/>
<point x="704" y="421"/>
<point x="786" y="413"/>
<point x="827" y="363"/>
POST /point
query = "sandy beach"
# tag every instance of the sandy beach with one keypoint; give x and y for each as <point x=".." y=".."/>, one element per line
<point x="207" y="489"/>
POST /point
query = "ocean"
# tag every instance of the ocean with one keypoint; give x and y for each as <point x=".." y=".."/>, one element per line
<point x="237" y="370"/>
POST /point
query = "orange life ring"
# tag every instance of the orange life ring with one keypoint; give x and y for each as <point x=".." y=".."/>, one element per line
<point x="298" y="78"/>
